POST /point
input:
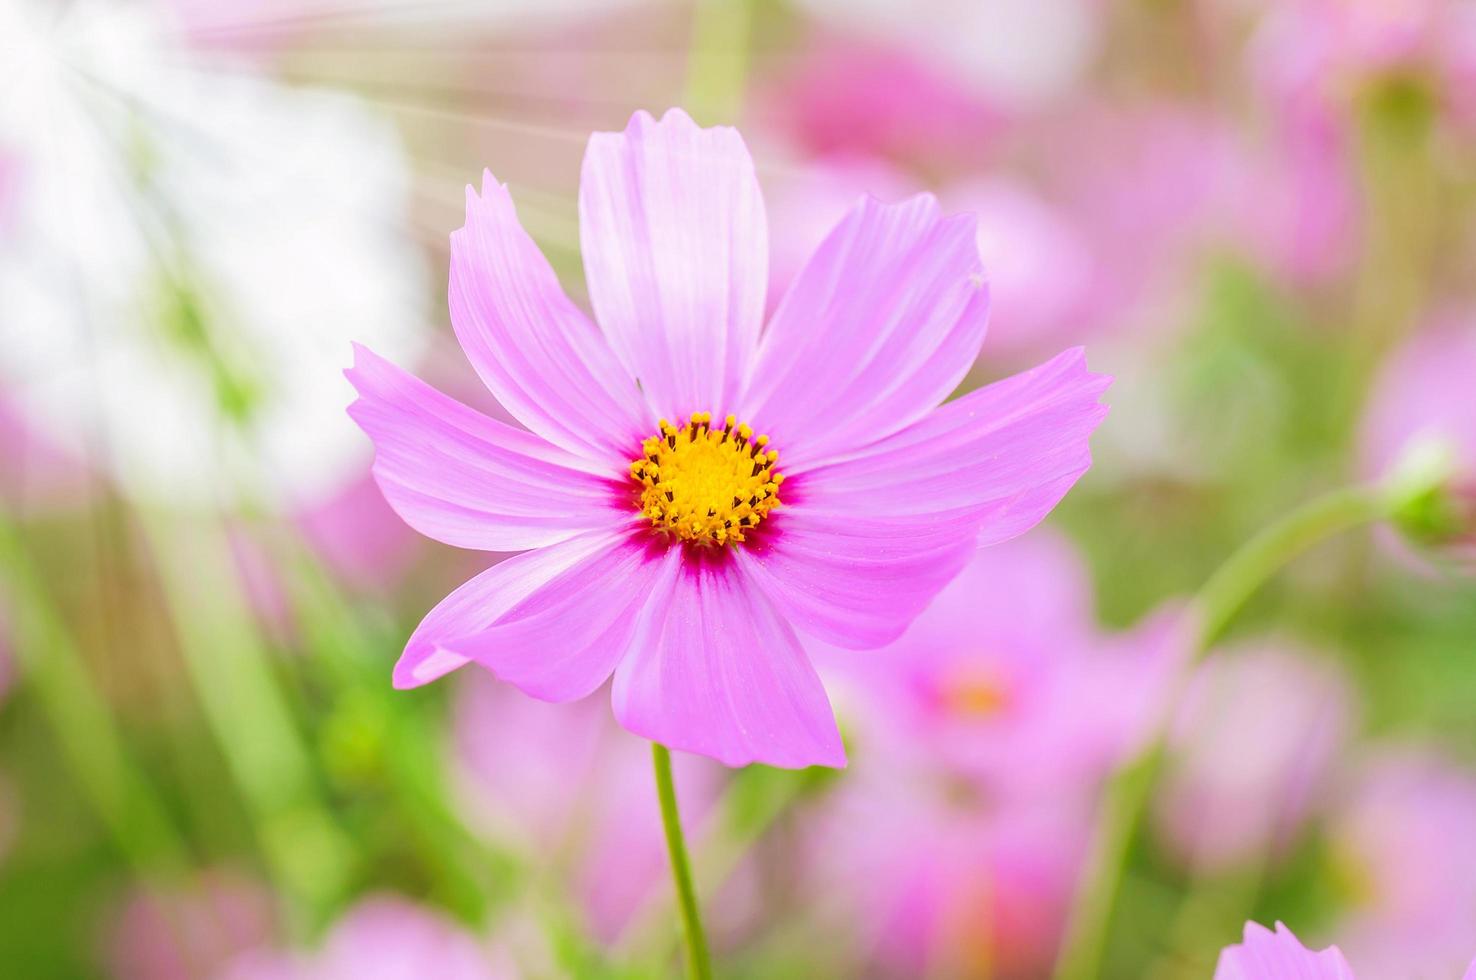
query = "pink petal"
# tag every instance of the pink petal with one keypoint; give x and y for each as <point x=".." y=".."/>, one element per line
<point x="1264" y="955"/>
<point x="460" y="477"/>
<point x="479" y="603"/>
<point x="877" y="329"/>
<point x="564" y="640"/>
<point x="541" y="357"/>
<point x="715" y="670"/>
<point x="850" y="580"/>
<point x="997" y="459"/>
<point x="676" y="256"/>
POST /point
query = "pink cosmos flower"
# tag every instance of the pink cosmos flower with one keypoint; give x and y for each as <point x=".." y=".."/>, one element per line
<point x="1253" y="747"/>
<point x="567" y="787"/>
<point x="353" y="534"/>
<point x="1423" y="392"/>
<point x="189" y="931"/>
<point x="947" y="888"/>
<point x="1329" y="48"/>
<point x="1267" y="955"/>
<point x="809" y="478"/>
<point x="1005" y="680"/>
<point x="847" y="96"/>
<point x="1423" y="396"/>
<point x="1279" y="955"/>
<point x="382" y="938"/>
<point x="980" y="739"/>
<point x="1406" y="856"/>
<point x="1157" y="190"/>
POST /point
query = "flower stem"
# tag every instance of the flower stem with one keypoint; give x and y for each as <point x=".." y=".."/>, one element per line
<point x="1254" y="562"/>
<point x="1221" y="597"/>
<point x="311" y="857"/>
<point x="90" y="741"/>
<point x="699" y="963"/>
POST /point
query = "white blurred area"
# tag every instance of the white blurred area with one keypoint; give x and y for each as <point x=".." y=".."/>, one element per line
<point x="188" y="249"/>
<point x="1019" y="53"/>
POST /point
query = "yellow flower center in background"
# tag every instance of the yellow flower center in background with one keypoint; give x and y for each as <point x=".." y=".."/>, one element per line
<point x="975" y="692"/>
<point x="705" y="485"/>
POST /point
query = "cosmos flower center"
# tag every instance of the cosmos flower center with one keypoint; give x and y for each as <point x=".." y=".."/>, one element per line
<point x="976" y="693"/>
<point x="710" y="486"/>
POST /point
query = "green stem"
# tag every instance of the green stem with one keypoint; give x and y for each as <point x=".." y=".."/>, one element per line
<point x="1216" y="604"/>
<point x="699" y="963"/>
<point x="55" y="670"/>
<point x="311" y="858"/>
<point x="717" y="60"/>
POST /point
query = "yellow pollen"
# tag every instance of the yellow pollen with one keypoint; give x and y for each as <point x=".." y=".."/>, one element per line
<point x="710" y="486"/>
<point x="976" y="693"/>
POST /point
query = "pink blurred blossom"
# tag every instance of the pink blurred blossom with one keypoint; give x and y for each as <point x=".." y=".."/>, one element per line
<point x="847" y="97"/>
<point x="1005" y="679"/>
<point x="940" y="886"/>
<point x="1252" y="749"/>
<point x="1020" y="55"/>
<point x="189" y="931"/>
<point x="1423" y="392"/>
<point x="383" y="937"/>
<point x="1279" y="955"/>
<point x="568" y="784"/>
<point x="980" y="738"/>
<point x="1299" y="203"/>
<point x="357" y="535"/>
<point x="1042" y="270"/>
<point x="38" y="476"/>
<point x="1406" y="853"/>
<point x="1422" y="398"/>
<point x="1157" y="189"/>
<point x="1326" y="49"/>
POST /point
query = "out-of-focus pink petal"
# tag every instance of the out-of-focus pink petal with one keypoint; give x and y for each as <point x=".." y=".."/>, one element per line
<point x="541" y="357"/>
<point x="460" y="477"/>
<point x="1403" y="838"/>
<point x="1264" y="955"/>
<point x="675" y="247"/>
<point x="1423" y="392"/>
<point x="1253" y="747"/>
<point x="850" y="580"/>
<point x="1000" y="457"/>
<point x="1041" y="268"/>
<point x="714" y="669"/>
<point x="566" y="786"/>
<point x="848" y="95"/>
<point x="565" y="639"/>
<point x="357" y="536"/>
<point x="877" y="329"/>
<point x="383" y="937"/>
<point x="480" y="602"/>
<point x="189" y="930"/>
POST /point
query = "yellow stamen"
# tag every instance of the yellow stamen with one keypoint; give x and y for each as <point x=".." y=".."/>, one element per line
<point x="705" y="485"/>
<point x="976" y="693"/>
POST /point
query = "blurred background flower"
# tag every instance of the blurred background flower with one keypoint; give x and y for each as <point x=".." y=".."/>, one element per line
<point x="1260" y="217"/>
